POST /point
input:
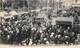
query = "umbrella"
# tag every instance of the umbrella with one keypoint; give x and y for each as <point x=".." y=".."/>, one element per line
<point x="3" y="13"/>
<point x="13" y="13"/>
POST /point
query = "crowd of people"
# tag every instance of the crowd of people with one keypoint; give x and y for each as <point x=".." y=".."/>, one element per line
<point x="24" y="29"/>
<point x="71" y="12"/>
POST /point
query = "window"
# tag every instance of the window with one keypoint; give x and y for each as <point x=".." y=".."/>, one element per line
<point x="76" y="1"/>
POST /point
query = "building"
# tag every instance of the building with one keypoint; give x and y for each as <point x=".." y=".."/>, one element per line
<point x="69" y="3"/>
<point x="76" y="3"/>
<point x="64" y="3"/>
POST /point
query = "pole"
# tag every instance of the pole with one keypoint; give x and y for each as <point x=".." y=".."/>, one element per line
<point x="28" y="4"/>
<point x="2" y="5"/>
<point x="13" y="4"/>
<point x="53" y="4"/>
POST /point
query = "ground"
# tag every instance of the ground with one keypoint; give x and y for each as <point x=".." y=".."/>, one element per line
<point x="39" y="46"/>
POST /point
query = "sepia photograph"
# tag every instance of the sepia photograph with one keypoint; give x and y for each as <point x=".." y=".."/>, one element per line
<point x="39" y="23"/>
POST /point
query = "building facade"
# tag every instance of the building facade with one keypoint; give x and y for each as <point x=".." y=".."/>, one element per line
<point x="69" y="3"/>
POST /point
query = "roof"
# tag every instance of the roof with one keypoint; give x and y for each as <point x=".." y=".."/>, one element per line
<point x="68" y="19"/>
<point x="75" y="5"/>
<point x="63" y="23"/>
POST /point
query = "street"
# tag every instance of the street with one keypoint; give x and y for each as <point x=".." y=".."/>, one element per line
<point x="40" y="46"/>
